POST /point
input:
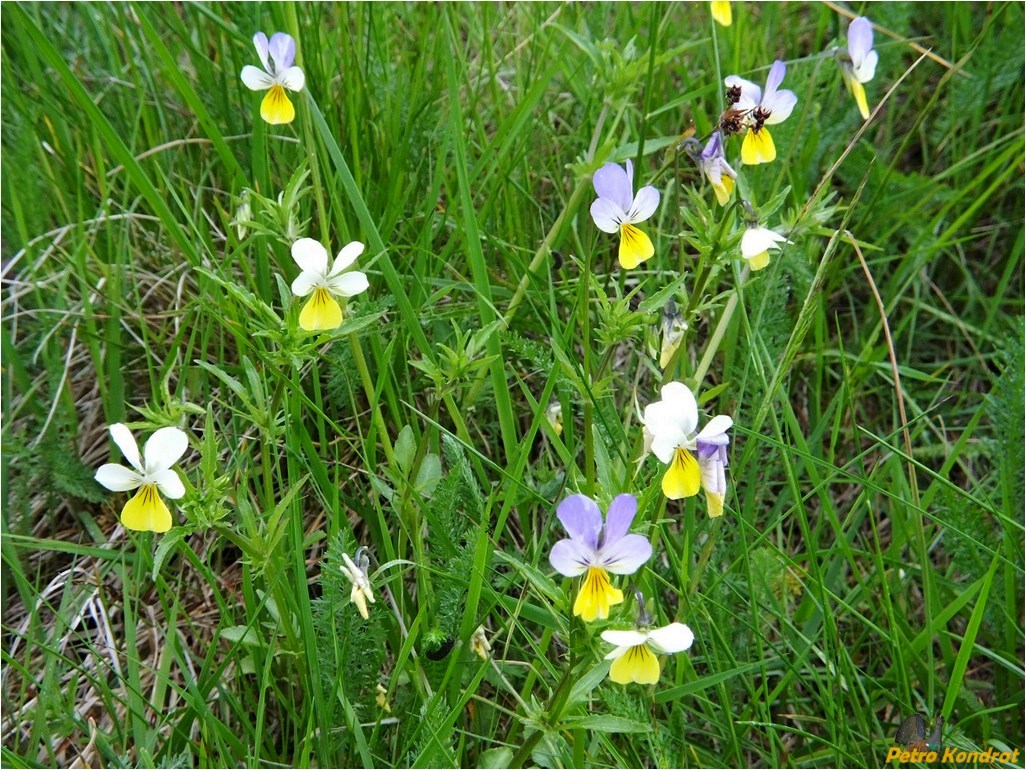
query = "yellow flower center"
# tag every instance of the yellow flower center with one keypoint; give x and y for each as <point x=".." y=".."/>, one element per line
<point x="683" y="478"/>
<point x="276" y="108"/>
<point x="321" y="311"/>
<point x="758" y="147"/>
<point x="596" y="596"/>
<point x="639" y="664"/>
<point x="146" y="512"/>
<point x="635" y="246"/>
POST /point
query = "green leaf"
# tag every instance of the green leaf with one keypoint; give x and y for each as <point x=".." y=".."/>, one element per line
<point x="607" y="723"/>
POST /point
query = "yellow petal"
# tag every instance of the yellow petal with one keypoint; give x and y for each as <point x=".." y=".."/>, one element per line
<point x="683" y="478"/>
<point x="596" y="596"/>
<point x="758" y="147"/>
<point x="276" y="108"/>
<point x="859" y="93"/>
<point x="146" y="512"/>
<point x="721" y="12"/>
<point x="723" y="189"/>
<point x="759" y="261"/>
<point x="638" y="664"/>
<point x="715" y="503"/>
<point x="635" y="246"/>
<point x="322" y="311"/>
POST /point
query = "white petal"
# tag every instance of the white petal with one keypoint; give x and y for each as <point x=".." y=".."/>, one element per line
<point x="717" y="425"/>
<point x="664" y="444"/>
<point x="780" y="106"/>
<point x="170" y="483"/>
<point x="292" y="78"/>
<point x="306" y="282"/>
<point x="348" y="284"/>
<point x="126" y="443"/>
<point x="616" y="652"/>
<point x="255" y="79"/>
<point x="607" y="215"/>
<point x="867" y="68"/>
<point x="164" y="449"/>
<point x="346" y="257"/>
<point x="310" y="255"/>
<point x="645" y="204"/>
<point x="118" y="478"/>
<point x="751" y="94"/>
<point x="350" y="569"/>
<point x="675" y="637"/>
<point x="624" y="638"/>
<point x="681" y="406"/>
<point x="757" y="240"/>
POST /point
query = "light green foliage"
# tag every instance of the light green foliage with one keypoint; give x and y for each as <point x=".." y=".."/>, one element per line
<point x="865" y="568"/>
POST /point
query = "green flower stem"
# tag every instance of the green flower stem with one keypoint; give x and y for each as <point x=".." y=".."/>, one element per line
<point x="368" y="389"/>
<point x="552" y="714"/>
<point x="713" y="346"/>
<point x="323" y="214"/>
<point x="589" y="407"/>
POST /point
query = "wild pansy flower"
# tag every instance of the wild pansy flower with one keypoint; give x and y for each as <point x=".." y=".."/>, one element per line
<point x="618" y="210"/>
<point x="479" y="644"/>
<point x="619" y="553"/>
<point x="721" y="12"/>
<point x="859" y="65"/>
<point x="760" y="109"/>
<point x="357" y="574"/>
<point x="322" y="311"/>
<point x="146" y="511"/>
<point x="756" y="243"/>
<point x="382" y="699"/>
<point x="711" y="449"/>
<point x="719" y="173"/>
<point x="276" y="107"/>
<point x="673" y="330"/>
<point x="670" y="431"/>
<point x="634" y="657"/>
<point x="554" y="415"/>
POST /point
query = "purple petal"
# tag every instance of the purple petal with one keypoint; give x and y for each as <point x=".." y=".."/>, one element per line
<point x="625" y="555"/>
<point x="260" y="41"/>
<point x="571" y="557"/>
<point x="714" y="147"/>
<point x="283" y="50"/>
<point x="611" y="182"/>
<point x="582" y="519"/>
<point x="860" y="39"/>
<point x="618" y="518"/>
<point x="776" y="77"/>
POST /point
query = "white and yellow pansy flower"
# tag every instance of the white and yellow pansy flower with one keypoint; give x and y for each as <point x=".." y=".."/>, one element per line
<point x="277" y="56"/>
<point x="322" y="311"/>
<point x="146" y="511"/>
